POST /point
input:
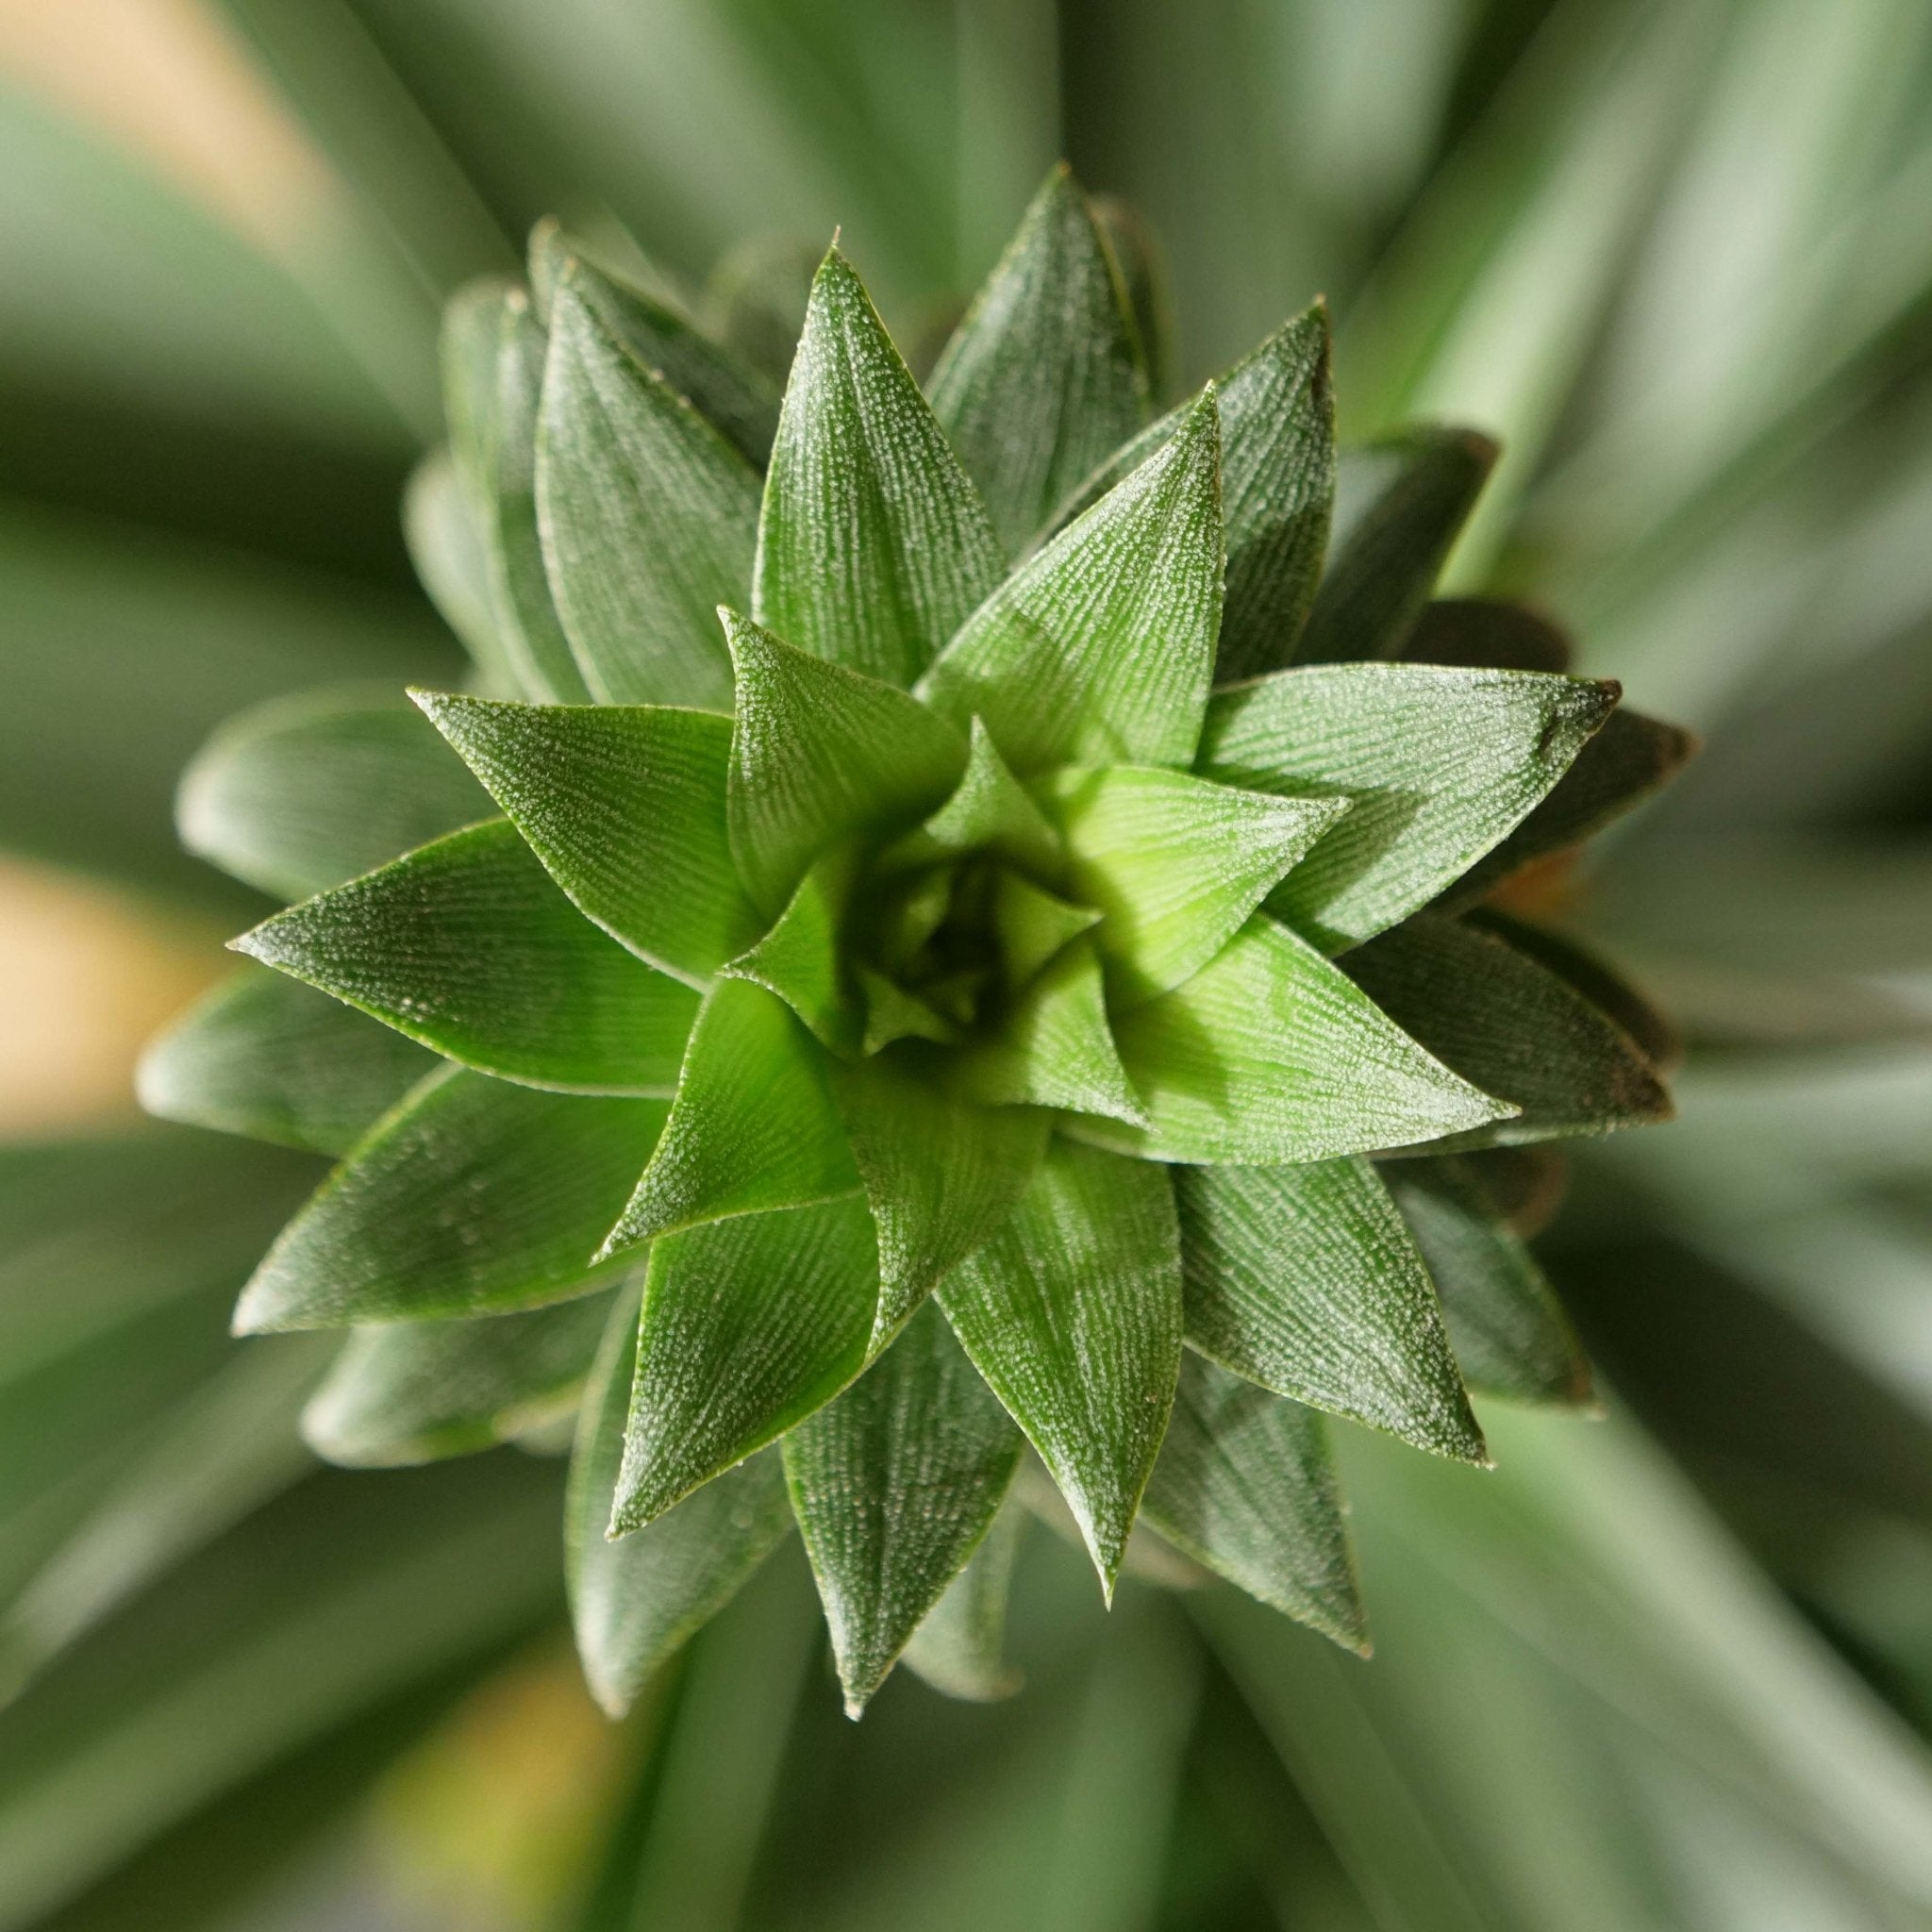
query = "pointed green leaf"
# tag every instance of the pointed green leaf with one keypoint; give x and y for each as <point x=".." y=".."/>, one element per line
<point x="1509" y="1333"/>
<point x="754" y="301"/>
<point x="732" y="396"/>
<point x="753" y="1126"/>
<point x="894" y="1483"/>
<point x="635" y="1601"/>
<point x="1277" y="481"/>
<point x="1073" y="1313"/>
<point x="473" y="1195"/>
<point x="1511" y="1026"/>
<point x="303" y="793"/>
<point x="873" y="545"/>
<point x="493" y="362"/>
<point x="266" y="1056"/>
<point x="1398" y="505"/>
<point x="1304" y="1280"/>
<point x="1175" y="864"/>
<point x="1271" y="1054"/>
<point x="941" y="1174"/>
<point x="1137" y="254"/>
<point x="748" y="1326"/>
<point x="1100" y="648"/>
<point x="649" y="518"/>
<point x="819" y="753"/>
<point x="1630" y="760"/>
<point x="960" y="1649"/>
<point x="1044" y="379"/>
<point x="447" y="546"/>
<point x="891" y="1013"/>
<point x="625" y="805"/>
<point x="1487" y="634"/>
<point x="990" y="811"/>
<point x="1246" y="1485"/>
<point x="801" y="960"/>
<point x="1055" y="1047"/>
<point x="415" y="1391"/>
<point x="1437" y="764"/>
<point x="467" y="945"/>
<point x="1031" y="925"/>
<point x="1653" y="1034"/>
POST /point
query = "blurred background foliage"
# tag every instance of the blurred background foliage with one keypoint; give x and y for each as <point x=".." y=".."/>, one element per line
<point x="1669" y="1670"/>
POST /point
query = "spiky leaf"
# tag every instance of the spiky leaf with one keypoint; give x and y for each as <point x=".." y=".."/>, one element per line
<point x="989" y="812"/>
<point x="960" y="1649"/>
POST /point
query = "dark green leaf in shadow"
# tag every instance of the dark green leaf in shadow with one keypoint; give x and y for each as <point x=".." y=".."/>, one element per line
<point x="989" y="812"/>
<point x="1487" y="634"/>
<point x="960" y="1648"/>
<point x="802" y="960"/>
<point x="447" y="546"/>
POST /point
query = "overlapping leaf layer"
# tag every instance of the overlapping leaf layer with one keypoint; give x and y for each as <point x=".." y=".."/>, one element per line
<point x="926" y="924"/>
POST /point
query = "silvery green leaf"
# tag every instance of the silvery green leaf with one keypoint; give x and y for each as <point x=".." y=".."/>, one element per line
<point x="753" y="1125"/>
<point x="730" y="394"/>
<point x="820" y="752"/>
<point x="1630" y="760"/>
<point x="625" y="805"/>
<point x="1398" y="505"/>
<point x="467" y="945"/>
<point x="302" y="792"/>
<point x="873" y="545"/>
<point x="894" y="1483"/>
<point x="1439" y="765"/>
<point x="1278" y="479"/>
<point x="1488" y="634"/>
<point x="1073" y="1312"/>
<point x="1100" y="647"/>
<point x="1271" y="1054"/>
<point x="800" y="959"/>
<point x="1498" y="1017"/>
<point x="941" y="1173"/>
<point x="265" y="1056"/>
<point x="1174" y="863"/>
<point x="989" y="812"/>
<point x="1245" y="1485"/>
<point x="634" y="1601"/>
<point x="1304" y="1280"/>
<point x="414" y="1392"/>
<point x="748" y="1326"/>
<point x="476" y="1195"/>
<point x="960" y="1649"/>
<point x="1509" y="1331"/>
<point x="447" y="547"/>
<point x="1044" y="377"/>
<point x="649" y="518"/>
<point x="1055" y="1047"/>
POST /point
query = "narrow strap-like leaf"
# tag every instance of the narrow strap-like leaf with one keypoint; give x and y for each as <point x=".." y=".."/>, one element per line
<point x="1511" y="1024"/>
<point x="1629" y="760"/>
<point x="730" y="394"/>
<point x="265" y="1056"/>
<point x="1175" y="864"/>
<point x="1304" y="1280"/>
<point x="820" y="753"/>
<point x="1509" y="1331"/>
<point x="753" y="1126"/>
<point x="1398" y="505"/>
<point x="1055" y="1047"/>
<point x="467" y="945"/>
<point x="1487" y="634"/>
<point x="635" y="1601"/>
<point x="960" y="1648"/>
<point x="474" y="1194"/>
<point x="894" y="1483"/>
<point x="989" y="812"/>
<point x="1073" y="1313"/>
<point x="802" y="960"/>
<point x="873" y="544"/>
<point x="625" y="805"/>
<point x="302" y="792"/>
<point x="447" y="546"/>
<point x="1100" y="648"/>
<point x="493" y="352"/>
<point x="1439" y="764"/>
<point x="649" y="518"/>
<point x="748" y="1326"/>
<point x="1246" y="1485"/>
<point x="1045" y="376"/>
<point x="402" y="1393"/>
<point x="1271" y="1054"/>
<point x="941" y="1173"/>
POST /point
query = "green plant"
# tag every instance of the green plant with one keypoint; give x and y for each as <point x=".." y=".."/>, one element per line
<point x="1056" y="922"/>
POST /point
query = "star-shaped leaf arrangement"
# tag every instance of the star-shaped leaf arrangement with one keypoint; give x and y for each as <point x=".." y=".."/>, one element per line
<point x="956" y="930"/>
